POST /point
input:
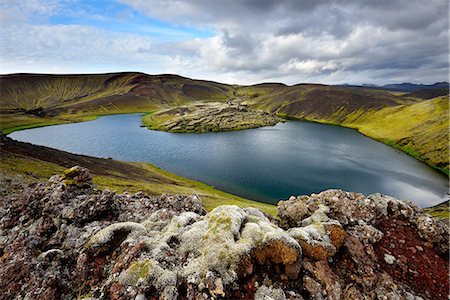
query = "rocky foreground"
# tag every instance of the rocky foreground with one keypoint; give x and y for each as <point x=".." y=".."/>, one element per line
<point x="207" y="117"/>
<point x="64" y="239"/>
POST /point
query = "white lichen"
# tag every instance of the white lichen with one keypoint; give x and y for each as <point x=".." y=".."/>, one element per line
<point x="131" y="230"/>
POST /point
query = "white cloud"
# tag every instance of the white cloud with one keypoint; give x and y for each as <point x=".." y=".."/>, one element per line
<point x="309" y="66"/>
<point x="260" y="40"/>
<point x="75" y="45"/>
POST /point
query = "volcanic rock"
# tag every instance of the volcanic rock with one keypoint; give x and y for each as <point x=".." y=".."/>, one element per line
<point x="65" y="239"/>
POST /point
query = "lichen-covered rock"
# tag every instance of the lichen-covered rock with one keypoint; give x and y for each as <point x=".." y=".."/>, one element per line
<point x="320" y="237"/>
<point x="112" y="236"/>
<point x="269" y="293"/>
<point x="314" y="289"/>
<point x="434" y="231"/>
<point x="323" y="274"/>
<point x="365" y="233"/>
<point x="64" y="239"/>
<point x="208" y="252"/>
<point x="293" y="211"/>
<point x="77" y="176"/>
<point x="370" y="231"/>
<point x="180" y="204"/>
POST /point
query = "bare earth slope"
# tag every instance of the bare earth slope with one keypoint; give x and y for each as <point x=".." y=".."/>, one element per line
<point x="409" y="122"/>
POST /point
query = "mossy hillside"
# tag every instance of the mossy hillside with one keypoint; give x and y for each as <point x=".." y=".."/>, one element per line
<point x="30" y="91"/>
<point x="421" y="129"/>
<point x="32" y="100"/>
<point x="307" y="100"/>
<point x="440" y="211"/>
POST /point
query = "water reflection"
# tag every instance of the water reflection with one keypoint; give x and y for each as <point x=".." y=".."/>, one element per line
<point x="265" y="164"/>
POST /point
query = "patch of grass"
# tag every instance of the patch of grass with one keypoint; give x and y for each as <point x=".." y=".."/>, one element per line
<point x="443" y="214"/>
<point x="32" y="170"/>
<point x="10" y="126"/>
<point x="151" y="121"/>
<point x="440" y="211"/>
<point x="175" y="184"/>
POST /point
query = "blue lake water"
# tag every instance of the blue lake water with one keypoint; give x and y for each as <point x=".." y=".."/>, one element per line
<point x="265" y="164"/>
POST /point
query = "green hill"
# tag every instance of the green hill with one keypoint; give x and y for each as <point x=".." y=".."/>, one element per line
<point x="29" y="100"/>
<point x="407" y="122"/>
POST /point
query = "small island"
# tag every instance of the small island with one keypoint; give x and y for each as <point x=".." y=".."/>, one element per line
<point x="209" y="117"/>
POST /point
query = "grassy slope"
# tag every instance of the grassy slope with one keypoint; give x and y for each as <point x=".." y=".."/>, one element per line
<point x="420" y="130"/>
<point x="36" y="163"/>
<point x="416" y="126"/>
<point x="30" y="100"/>
<point x="440" y="211"/>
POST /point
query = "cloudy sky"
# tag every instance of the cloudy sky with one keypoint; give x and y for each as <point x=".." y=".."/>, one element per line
<point x="232" y="41"/>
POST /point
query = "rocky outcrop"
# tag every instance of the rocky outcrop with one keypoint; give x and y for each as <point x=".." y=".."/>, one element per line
<point x="210" y="116"/>
<point x="381" y="247"/>
<point x="64" y="239"/>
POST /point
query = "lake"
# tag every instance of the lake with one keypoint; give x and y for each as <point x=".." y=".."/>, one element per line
<point x="265" y="164"/>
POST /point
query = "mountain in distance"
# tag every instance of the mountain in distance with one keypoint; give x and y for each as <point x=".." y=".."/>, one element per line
<point x="403" y="87"/>
<point x="412" y="87"/>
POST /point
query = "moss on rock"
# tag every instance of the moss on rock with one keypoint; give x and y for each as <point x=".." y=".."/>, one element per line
<point x="112" y="236"/>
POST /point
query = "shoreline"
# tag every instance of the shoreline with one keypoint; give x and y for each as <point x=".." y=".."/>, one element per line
<point x="8" y="130"/>
<point x="391" y="144"/>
